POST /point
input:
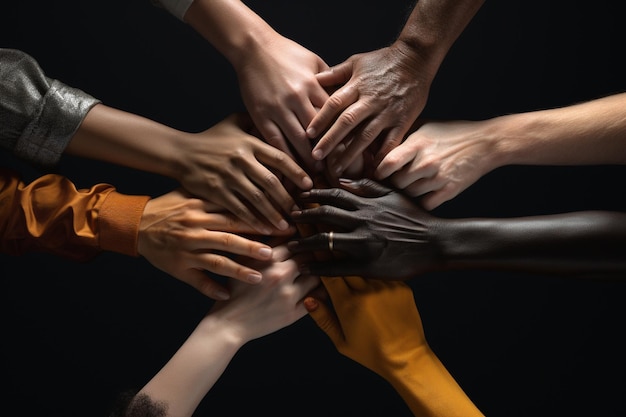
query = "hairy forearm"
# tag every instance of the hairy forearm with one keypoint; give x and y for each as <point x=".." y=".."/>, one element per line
<point x="593" y="132"/>
<point x="123" y="138"/>
<point x="579" y="243"/>
<point x="230" y="26"/>
<point x="433" y="26"/>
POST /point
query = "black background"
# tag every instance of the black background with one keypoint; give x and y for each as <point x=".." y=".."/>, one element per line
<point x="75" y="335"/>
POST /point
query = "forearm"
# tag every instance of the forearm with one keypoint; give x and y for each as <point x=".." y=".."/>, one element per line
<point x="593" y="132"/>
<point x="127" y="139"/>
<point x="433" y="26"/>
<point x="193" y="370"/>
<point x="428" y="389"/>
<point x="230" y="26"/>
<point x="583" y="243"/>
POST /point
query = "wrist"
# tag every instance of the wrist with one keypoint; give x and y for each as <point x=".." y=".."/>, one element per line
<point x="213" y="328"/>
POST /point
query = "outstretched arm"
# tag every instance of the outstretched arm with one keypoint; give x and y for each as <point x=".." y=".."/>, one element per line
<point x="442" y="158"/>
<point x="375" y="227"/>
<point x="43" y="118"/>
<point x="276" y="75"/>
<point x="251" y="313"/>
<point x="377" y="324"/>
<point x="382" y="92"/>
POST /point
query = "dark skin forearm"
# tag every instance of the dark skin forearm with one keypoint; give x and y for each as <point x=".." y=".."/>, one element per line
<point x="380" y="233"/>
<point x="585" y="242"/>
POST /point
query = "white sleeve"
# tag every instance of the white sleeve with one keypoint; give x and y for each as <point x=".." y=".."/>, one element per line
<point x="176" y="7"/>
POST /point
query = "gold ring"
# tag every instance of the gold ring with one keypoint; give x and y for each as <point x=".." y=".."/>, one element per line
<point x="330" y="241"/>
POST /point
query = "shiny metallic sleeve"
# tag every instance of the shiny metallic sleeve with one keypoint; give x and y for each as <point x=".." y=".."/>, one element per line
<point x="38" y="115"/>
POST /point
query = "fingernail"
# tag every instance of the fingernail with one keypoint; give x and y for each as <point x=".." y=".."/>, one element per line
<point x="307" y="182"/>
<point x="283" y="225"/>
<point x="222" y="295"/>
<point x="255" y="278"/>
<point x="317" y="154"/>
<point x="311" y="132"/>
<point x="265" y="252"/>
<point x="338" y="169"/>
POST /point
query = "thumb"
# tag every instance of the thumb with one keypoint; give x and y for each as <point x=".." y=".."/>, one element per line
<point x="325" y="319"/>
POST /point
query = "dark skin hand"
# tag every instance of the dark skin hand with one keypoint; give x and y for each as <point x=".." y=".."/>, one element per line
<point x="377" y="232"/>
<point x="380" y="233"/>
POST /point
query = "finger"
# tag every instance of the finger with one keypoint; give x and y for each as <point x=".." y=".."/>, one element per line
<point x="394" y="161"/>
<point x="327" y="215"/>
<point x="335" y="104"/>
<point x="274" y="136"/>
<point x="434" y="199"/>
<point x="390" y="141"/>
<point x="335" y="75"/>
<point x="336" y="197"/>
<point x="361" y="139"/>
<point x="257" y="197"/>
<point x="239" y="209"/>
<point x="424" y="185"/>
<point x="232" y="243"/>
<point x="222" y="265"/>
<point x="282" y="162"/>
<point x="363" y="187"/>
<point x="326" y="320"/>
<point x="412" y="175"/>
<point x="306" y="284"/>
<point x="348" y="120"/>
<point x="205" y="285"/>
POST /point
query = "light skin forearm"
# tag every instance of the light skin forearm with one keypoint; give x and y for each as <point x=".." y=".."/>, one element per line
<point x="593" y="132"/>
<point x="127" y="139"/>
<point x="230" y="26"/>
<point x="186" y="378"/>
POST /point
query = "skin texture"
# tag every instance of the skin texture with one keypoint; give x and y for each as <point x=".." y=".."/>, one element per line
<point x="379" y="94"/>
<point x="252" y="312"/>
<point x="222" y="164"/>
<point x="375" y="227"/>
<point x="185" y="237"/>
<point x="440" y="159"/>
<point x="277" y="76"/>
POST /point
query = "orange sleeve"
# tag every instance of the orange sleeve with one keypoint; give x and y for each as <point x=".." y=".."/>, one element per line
<point x="51" y="215"/>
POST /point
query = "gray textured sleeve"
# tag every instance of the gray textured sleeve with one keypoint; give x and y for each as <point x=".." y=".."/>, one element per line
<point x="176" y="7"/>
<point x="38" y="115"/>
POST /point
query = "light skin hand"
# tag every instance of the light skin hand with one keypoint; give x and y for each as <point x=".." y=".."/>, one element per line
<point x="382" y="92"/>
<point x="241" y="173"/>
<point x="252" y="312"/>
<point x="275" y="303"/>
<point x="185" y="236"/>
<point x="439" y="160"/>
<point x="282" y="94"/>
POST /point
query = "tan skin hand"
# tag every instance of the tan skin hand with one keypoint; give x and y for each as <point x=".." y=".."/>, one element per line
<point x="382" y="94"/>
<point x="438" y="161"/>
<point x="242" y="174"/>
<point x="185" y="236"/>
<point x="281" y="92"/>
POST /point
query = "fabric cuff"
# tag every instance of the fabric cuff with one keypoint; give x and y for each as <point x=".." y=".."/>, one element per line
<point x="62" y="110"/>
<point x="119" y="220"/>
